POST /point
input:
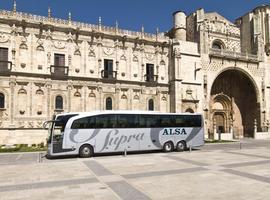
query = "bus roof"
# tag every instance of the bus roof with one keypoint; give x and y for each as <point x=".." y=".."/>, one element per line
<point x="99" y="112"/>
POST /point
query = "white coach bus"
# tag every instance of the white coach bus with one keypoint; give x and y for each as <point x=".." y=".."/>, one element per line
<point x="84" y="134"/>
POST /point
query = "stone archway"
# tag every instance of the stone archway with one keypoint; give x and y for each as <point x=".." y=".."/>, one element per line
<point x="234" y="102"/>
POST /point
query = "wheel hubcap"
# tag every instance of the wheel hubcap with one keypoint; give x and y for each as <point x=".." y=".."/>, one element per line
<point x="180" y="146"/>
<point x="86" y="151"/>
<point x="168" y="147"/>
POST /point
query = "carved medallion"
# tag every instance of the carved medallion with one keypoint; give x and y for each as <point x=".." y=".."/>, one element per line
<point x="4" y="38"/>
<point x="59" y="44"/>
<point x="108" y="51"/>
<point x="149" y="56"/>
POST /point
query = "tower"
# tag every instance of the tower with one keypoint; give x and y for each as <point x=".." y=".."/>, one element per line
<point x="179" y="19"/>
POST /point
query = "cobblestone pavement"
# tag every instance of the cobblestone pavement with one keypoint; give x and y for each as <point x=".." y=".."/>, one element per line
<point x="214" y="172"/>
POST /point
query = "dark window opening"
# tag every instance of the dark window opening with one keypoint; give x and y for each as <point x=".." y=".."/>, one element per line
<point x="108" y="69"/>
<point x="3" y="59"/>
<point x="217" y="45"/>
<point x="151" y="104"/>
<point x="59" y="103"/>
<point x="150" y="77"/>
<point x="2" y="100"/>
<point x="59" y="60"/>
<point x="109" y="103"/>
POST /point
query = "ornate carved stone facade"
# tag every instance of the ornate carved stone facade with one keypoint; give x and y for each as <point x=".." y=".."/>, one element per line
<point x="204" y="64"/>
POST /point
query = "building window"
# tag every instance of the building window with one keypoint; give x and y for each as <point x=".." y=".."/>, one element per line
<point x="59" y="59"/>
<point x="59" y="103"/>
<point x="217" y="45"/>
<point x="3" y="59"/>
<point x="108" y="69"/>
<point x="109" y="103"/>
<point x="2" y="100"/>
<point x="151" y="104"/>
<point x="150" y="73"/>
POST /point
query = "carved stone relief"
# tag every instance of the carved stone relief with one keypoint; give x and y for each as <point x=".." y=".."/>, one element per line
<point x="149" y="56"/>
<point x="108" y="51"/>
<point x="59" y="44"/>
<point x="4" y="38"/>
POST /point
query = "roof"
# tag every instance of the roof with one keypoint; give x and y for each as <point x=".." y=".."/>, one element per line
<point x="123" y="112"/>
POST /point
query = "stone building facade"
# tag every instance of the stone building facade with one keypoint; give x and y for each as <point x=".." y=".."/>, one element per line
<point x="204" y="64"/>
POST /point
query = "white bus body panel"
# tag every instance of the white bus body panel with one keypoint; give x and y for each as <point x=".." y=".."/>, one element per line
<point x="119" y="140"/>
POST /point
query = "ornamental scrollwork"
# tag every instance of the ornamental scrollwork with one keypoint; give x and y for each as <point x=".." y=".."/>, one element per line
<point x="149" y="56"/>
<point x="59" y="44"/>
<point x="4" y="38"/>
<point x="108" y="51"/>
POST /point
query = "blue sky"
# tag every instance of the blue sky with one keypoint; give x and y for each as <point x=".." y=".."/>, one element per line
<point x="132" y="14"/>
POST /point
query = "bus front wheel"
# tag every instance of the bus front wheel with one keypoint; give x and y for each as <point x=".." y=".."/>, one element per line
<point x="168" y="147"/>
<point x="181" y="146"/>
<point x="86" y="151"/>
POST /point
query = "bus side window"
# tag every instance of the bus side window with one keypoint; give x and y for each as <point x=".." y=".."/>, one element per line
<point x="75" y="124"/>
<point x="151" y="121"/>
<point x="112" y="121"/>
<point x="142" y="121"/>
<point x="133" y="121"/>
<point x="122" y="121"/>
<point x="101" y="122"/>
<point x="166" y="121"/>
<point x="106" y="121"/>
<point x="179" y="121"/>
<point x="92" y="122"/>
<point x="127" y="121"/>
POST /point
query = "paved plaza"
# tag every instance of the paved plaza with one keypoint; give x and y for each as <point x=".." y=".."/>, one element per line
<point x="221" y="171"/>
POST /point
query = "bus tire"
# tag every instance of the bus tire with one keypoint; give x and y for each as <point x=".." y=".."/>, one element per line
<point x="181" y="146"/>
<point x="86" y="151"/>
<point x="168" y="147"/>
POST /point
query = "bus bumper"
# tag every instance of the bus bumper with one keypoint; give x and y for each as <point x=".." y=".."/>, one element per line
<point x="49" y="150"/>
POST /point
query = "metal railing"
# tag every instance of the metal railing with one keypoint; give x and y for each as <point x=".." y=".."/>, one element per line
<point x="233" y="55"/>
<point x="5" y="66"/>
<point x="59" y="71"/>
<point x="109" y="74"/>
<point x="150" y="78"/>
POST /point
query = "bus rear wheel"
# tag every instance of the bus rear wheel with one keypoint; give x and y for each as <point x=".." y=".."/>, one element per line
<point x="181" y="146"/>
<point x="168" y="147"/>
<point x="86" y="151"/>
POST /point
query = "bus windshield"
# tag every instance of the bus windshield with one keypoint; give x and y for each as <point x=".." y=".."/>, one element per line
<point x="57" y="127"/>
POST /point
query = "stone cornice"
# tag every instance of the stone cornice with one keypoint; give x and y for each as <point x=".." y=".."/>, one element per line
<point x="38" y="21"/>
<point x="75" y="78"/>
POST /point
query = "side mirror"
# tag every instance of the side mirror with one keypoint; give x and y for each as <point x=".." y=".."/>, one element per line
<point x="45" y="125"/>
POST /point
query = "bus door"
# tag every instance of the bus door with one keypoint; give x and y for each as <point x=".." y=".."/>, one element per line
<point x="57" y="137"/>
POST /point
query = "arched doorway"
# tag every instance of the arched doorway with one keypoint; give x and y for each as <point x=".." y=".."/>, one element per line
<point x="234" y="103"/>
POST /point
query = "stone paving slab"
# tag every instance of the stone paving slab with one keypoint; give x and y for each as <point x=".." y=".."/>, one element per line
<point x="133" y="163"/>
<point x="27" y="173"/>
<point x="127" y="192"/>
<point x="89" y="191"/>
<point x="221" y="173"/>
<point x="263" y="171"/>
<point x="202" y="185"/>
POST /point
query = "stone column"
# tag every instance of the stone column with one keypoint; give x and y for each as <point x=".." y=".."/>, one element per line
<point x="49" y="103"/>
<point x="100" y="99"/>
<point x="31" y="99"/>
<point x="215" y="129"/>
<point x="158" y="97"/>
<point x="117" y="98"/>
<point x="255" y="128"/>
<point x="85" y="95"/>
<point x="69" y="87"/>
<point x="12" y="85"/>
